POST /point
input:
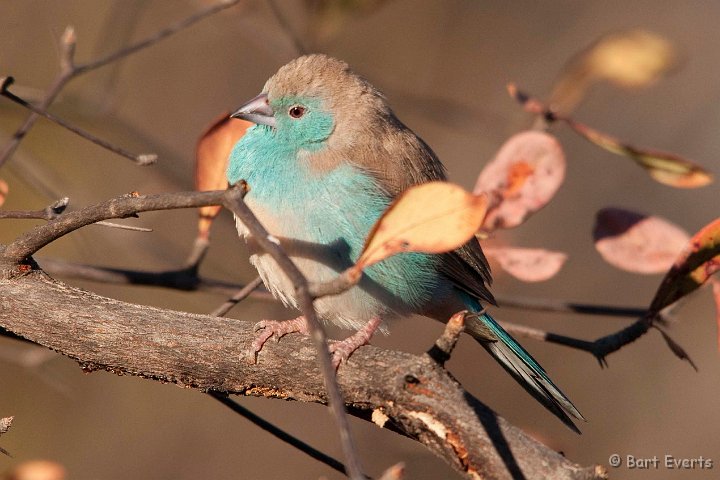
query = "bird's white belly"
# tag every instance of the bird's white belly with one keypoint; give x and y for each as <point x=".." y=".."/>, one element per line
<point x="351" y="309"/>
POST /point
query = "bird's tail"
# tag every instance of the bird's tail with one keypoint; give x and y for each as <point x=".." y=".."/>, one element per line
<point x="522" y="366"/>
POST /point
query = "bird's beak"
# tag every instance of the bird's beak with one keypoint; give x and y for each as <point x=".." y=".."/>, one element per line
<point x="257" y="111"/>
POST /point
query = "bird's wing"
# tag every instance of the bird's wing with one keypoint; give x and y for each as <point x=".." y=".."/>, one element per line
<point x="402" y="160"/>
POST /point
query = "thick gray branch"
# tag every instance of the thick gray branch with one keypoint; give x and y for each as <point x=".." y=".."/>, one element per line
<point x="418" y="396"/>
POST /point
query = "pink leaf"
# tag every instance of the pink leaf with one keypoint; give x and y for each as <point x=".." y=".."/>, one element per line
<point x="522" y="178"/>
<point x="527" y="264"/>
<point x="637" y="243"/>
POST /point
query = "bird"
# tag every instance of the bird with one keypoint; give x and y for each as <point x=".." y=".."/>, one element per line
<point x="325" y="158"/>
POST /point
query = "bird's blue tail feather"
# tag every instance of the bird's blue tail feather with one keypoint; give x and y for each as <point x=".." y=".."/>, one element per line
<point x="522" y="366"/>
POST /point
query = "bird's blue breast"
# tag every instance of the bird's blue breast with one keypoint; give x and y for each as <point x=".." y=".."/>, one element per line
<point x="330" y="213"/>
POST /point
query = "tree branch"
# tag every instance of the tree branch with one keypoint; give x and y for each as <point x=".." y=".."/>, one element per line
<point x="415" y="394"/>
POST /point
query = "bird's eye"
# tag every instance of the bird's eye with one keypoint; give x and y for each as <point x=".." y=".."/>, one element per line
<point x="296" y="111"/>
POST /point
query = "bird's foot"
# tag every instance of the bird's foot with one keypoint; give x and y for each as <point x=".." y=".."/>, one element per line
<point x="279" y="329"/>
<point x="341" y="350"/>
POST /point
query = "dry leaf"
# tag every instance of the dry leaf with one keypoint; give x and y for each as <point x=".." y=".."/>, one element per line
<point x="434" y="217"/>
<point x="666" y="168"/>
<point x="211" y="161"/>
<point x="4" y="189"/>
<point x="522" y="178"/>
<point x="631" y="59"/>
<point x="637" y="243"/>
<point x="527" y="264"/>
<point x="692" y="269"/>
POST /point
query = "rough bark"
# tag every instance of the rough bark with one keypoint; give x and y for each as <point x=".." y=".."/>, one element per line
<point x="416" y="395"/>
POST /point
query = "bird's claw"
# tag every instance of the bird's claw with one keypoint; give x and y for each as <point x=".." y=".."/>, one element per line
<point x="279" y="329"/>
<point x="342" y="350"/>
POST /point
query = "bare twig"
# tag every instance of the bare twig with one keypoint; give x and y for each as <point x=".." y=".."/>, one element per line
<point x="238" y="297"/>
<point x="297" y="43"/>
<point x="48" y="213"/>
<point x="140" y="159"/>
<point x="69" y="70"/>
<point x="561" y="306"/>
<point x="278" y="433"/>
<point x="444" y="345"/>
<point x="178" y="279"/>
<point x="67" y="51"/>
<point x="603" y="346"/>
<point x="121" y="207"/>
<point x="233" y="202"/>
<point x="155" y="38"/>
<point x="123" y="227"/>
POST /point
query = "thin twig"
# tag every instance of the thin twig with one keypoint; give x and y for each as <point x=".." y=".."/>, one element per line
<point x="233" y="201"/>
<point x="123" y="227"/>
<point x="48" y="213"/>
<point x="67" y="51"/>
<point x="603" y="346"/>
<point x="297" y="43"/>
<point x="155" y="38"/>
<point x="561" y="306"/>
<point x="238" y="297"/>
<point x="178" y="279"/>
<point x="70" y="70"/>
<point x="278" y="433"/>
<point x="128" y="205"/>
<point x="140" y="159"/>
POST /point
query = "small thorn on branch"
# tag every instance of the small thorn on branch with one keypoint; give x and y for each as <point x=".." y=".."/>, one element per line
<point x="444" y="345"/>
<point x="123" y="227"/>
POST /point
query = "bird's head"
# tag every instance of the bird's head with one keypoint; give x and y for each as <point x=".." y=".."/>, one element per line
<point x="315" y="101"/>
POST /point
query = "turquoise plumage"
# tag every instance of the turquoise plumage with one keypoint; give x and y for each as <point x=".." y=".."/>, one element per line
<point x="326" y="158"/>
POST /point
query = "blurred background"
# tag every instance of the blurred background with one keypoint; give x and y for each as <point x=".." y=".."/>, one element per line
<point x="444" y="67"/>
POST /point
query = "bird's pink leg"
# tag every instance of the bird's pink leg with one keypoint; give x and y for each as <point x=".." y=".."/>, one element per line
<point x="342" y="350"/>
<point x="277" y="328"/>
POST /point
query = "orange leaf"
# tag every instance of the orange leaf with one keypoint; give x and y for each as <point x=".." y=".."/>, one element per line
<point x="528" y="264"/>
<point x="692" y="269"/>
<point x="637" y="243"/>
<point x="434" y="217"/>
<point x="522" y="178"/>
<point x="211" y="161"/>
<point x="4" y="189"/>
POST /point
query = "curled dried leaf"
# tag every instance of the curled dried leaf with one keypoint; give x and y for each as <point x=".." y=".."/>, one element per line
<point x="666" y="168"/>
<point x="693" y="267"/>
<point x="522" y="178"/>
<point x="527" y="264"/>
<point x="434" y="217"/>
<point x="637" y="243"/>
<point x="211" y="161"/>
